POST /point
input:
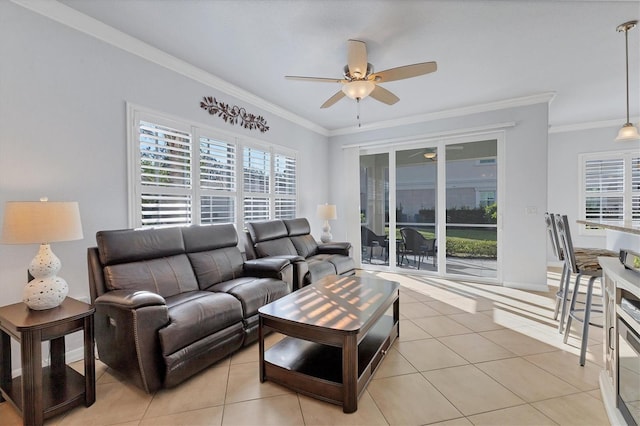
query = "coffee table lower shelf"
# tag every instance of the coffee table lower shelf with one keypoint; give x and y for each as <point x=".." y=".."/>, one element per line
<point x="315" y="369"/>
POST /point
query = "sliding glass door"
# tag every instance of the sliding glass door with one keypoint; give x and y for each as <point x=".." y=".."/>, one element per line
<point x="416" y="208"/>
<point x="472" y="208"/>
<point x="374" y="208"/>
<point x="445" y="195"/>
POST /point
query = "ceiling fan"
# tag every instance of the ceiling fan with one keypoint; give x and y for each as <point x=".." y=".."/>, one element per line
<point x="361" y="81"/>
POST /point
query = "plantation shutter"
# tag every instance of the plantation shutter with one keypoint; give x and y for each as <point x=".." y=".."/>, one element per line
<point x="217" y="181"/>
<point x="285" y="186"/>
<point x="256" y="181"/>
<point x="165" y="174"/>
<point x="604" y="188"/>
<point x="635" y="190"/>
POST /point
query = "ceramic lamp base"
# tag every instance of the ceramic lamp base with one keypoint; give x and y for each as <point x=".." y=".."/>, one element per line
<point x="326" y="236"/>
<point x="45" y="293"/>
<point x="46" y="290"/>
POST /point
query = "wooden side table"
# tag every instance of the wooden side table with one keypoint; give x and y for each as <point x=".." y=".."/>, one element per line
<point x="40" y="392"/>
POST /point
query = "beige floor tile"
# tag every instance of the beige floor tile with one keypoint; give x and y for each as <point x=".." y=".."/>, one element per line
<point x="475" y="348"/>
<point x="130" y="404"/>
<point x="476" y="321"/>
<point x="578" y="409"/>
<point x="518" y="342"/>
<point x="565" y="366"/>
<point x="205" y="389"/>
<point x="470" y="390"/>
<point x="596" y="393"/>
<point x="449" y="307"/>
<point x="250" y="353"/>
<point x="462" y="421"/>
<point x="205" y="417"/>
<point x="410" y="331"/>
<point x="10" y="417"/>
<point x="522" y="415"/>
<point x="441" y="326"/>
<point x="278" y="410"/>
<point x="429" y="354"/>
<point x="316" y="412"/>
<point x="417" y="310"/>
<point x="244" y="384"/>
<point x="410" y="399"/>
<point x="394" y="364"/>
<point x="416" y="295"/>
<point x="526" y="380"/>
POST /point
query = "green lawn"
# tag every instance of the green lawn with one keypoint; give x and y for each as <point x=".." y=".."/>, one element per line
<point x="466" y="242"/>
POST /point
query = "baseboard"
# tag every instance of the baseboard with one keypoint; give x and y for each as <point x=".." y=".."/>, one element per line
<point x="526" y="286"/>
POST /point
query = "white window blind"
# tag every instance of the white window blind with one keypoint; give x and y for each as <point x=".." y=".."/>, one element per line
<point x="217" y="181"/>
<point x="165" y="175"/>
<point x="285" y="186"/>
<point x="184" y="174"/>
<point x="611" y="187"/>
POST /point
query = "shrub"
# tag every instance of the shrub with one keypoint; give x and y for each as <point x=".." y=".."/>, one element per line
<point x="463" y="247"/>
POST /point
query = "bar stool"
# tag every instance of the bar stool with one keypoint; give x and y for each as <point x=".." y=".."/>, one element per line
<point x="581" y="265"/>
<point x="562" y="295"/>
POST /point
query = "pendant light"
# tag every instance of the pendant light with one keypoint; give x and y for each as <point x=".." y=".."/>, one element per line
<point x="628" y="132"/>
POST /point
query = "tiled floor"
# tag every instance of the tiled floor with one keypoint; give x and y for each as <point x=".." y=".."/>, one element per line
<point x="467" y="354"/>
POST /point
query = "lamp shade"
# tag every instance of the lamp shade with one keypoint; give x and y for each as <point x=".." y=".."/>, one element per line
<point x="628" y="132"/>
<point x="327" y="212"/>
<point x="40" y="222"/>
<point x="358" y="89"/>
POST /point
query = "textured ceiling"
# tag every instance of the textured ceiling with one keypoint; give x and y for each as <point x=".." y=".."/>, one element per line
<point x="487" y="51"/>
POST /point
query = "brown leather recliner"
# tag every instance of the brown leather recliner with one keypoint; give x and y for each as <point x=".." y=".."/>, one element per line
<point x="172" y="301"/>
<point x="291" y="239"/>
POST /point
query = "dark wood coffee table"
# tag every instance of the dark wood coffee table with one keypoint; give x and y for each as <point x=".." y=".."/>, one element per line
<point x="338" y="330"/>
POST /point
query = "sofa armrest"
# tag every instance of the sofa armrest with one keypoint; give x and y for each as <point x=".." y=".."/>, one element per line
<point x="126" y="333"/>
<point x="270" y="267"/>
<point x="265" y="265"/>
<point x="334" y="248"/>
<point x="128" y="299"/>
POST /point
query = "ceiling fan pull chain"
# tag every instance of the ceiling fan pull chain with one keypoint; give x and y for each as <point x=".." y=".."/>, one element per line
<point x="358" y="111"/>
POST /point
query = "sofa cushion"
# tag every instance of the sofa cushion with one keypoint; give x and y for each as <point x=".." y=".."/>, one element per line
<point x="343" y="264"/>
<point x="305" y="245"/>
<point x="166" y="276"/>
<point x="253" y="293"/>
<point x="266" y="230"/>
<point x="131" y="245"/>
<point x="209" y="237"/>
<point x="280" y="247"/>
<point x="195" y="315"/>
<point x="215" y="266"/>
<point x="319" y="267"/>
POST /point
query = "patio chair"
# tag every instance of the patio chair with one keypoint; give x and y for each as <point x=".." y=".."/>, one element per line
<point x="370" y="239"/>
<point x="417" y="245"/>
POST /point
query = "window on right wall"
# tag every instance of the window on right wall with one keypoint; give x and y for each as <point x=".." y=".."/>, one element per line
<point x="610" y="188"/>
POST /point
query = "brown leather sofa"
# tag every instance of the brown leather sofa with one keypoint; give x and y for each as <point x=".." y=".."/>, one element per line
<point x="172" y="301"/>
<point x="291" y="239"/>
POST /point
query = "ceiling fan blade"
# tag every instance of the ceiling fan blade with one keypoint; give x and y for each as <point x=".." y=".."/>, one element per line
<point x="316" y="79"/>
<point x="357" y="58"/>
<point x="383" y="95"/>
<point x="332" y="100"/>
<point x="403" y="72"/>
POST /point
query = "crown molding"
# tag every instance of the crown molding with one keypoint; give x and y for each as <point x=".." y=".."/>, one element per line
<point x="545" y="97"/>
<point x="590" y="125"/>
<point x="91" y="26"/>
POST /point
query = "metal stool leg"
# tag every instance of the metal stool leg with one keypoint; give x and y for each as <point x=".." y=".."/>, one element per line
<point x="561" y="293"/>
<point x="572" y="308"/>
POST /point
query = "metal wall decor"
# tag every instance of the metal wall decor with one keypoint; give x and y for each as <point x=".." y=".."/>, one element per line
<point x="231" y="114"/>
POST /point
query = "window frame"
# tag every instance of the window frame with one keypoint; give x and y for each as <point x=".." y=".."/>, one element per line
<point x="627" y="194"/>
<point x="136" y="113"/>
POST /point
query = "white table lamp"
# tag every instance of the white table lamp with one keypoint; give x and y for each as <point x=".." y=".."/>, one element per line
<point x="42" y="222"/>
<point x="326" y="212"/>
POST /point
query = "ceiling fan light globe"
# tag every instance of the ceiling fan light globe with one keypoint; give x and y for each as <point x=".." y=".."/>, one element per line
<point x="359" y="89"/>
<point x="628" y="132"/>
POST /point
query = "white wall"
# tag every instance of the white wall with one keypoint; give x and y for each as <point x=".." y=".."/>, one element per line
<point x="564" y="173"/>
<point x="63" y="135"/>
<point x="524" y="240"/>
